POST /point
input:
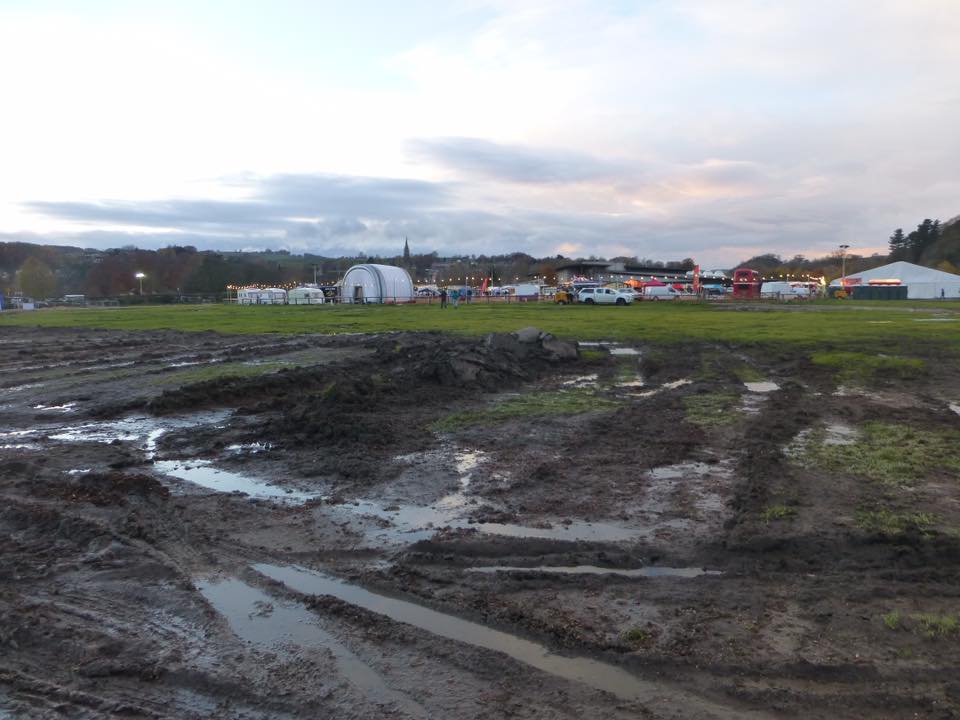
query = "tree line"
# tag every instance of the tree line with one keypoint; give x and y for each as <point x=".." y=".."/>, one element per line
<point x="48" y="271"/>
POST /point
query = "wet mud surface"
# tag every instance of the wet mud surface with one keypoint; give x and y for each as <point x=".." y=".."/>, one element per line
<point x="419" y="526"/>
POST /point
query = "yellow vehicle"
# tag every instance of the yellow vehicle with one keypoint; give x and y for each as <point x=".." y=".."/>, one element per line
<point x="565" y="296"/>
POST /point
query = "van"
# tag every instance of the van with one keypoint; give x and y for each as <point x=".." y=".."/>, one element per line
<point x="783" y="291"/>
<point x="660" y="292"/>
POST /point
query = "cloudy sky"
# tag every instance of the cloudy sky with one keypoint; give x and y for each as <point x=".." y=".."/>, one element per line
<point x="713" y="129"/>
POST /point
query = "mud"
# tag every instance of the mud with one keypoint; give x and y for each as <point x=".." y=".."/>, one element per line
<point x="196" y="526"/>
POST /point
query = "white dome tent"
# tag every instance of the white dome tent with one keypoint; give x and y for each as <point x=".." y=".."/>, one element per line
<point x="376" y="284"/>
<point x="921" y="282"/>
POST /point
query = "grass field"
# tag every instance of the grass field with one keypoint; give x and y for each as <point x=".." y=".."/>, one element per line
<point x="829" y="321"/>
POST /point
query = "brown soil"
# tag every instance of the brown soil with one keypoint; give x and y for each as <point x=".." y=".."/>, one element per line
<point x="105" y="555"/>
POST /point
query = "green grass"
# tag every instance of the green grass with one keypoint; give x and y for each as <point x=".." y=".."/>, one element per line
<point x="711" y="409"/>
<point x="646" y="321"/>
<point x="748" y="373"/>
<point x="545" y="404"/>
<point x="636" y="637"/>
<point x="886" y="452"/>
<point x="594" y="355"/>
<point x="892" y="620"/>
<point x="777" y="512"/>
<point x="894" y="524"/>
<point x="937" y="626"/>
<point x="855" y="368"/>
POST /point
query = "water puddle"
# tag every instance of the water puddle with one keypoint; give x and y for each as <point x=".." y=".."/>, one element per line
<point x="259" y="619"/>
<point x="402" y="523"/>
<point x="19" y="388"/>
<point x="131" y="429"/>
<point x="663" y="388"/>
<point x="581" y="381"/>
<point x="595" y="674"/>
<point x="761" y="387"/>
<point x="203" y="473"/>
<point x="651" y="571"/>
<point x="621" y="351"/>
<point x="938" y="319"/>
<point x="249" y="448"/>
<point x="955" y="407"/>
<point x="838" y="434"/>
<point x="19" y="446"/>
<point x="65" y="408"/>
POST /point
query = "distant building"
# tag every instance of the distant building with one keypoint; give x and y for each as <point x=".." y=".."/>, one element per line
<point x="603" y="271"/>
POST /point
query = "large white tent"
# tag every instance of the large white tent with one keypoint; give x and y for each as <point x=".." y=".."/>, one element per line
<point x="376" y="284"/>
<point x="921" y="282"/>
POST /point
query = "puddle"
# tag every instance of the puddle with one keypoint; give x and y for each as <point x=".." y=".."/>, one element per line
<point x="624" y="351"/>
<point x="20" y="446"/>
<point x="259" y="619"/>
<point x="134" y="428"/>
<point x="879" y="322"/>
<point x="77" y="471"/>
<point x="682" y="470"/>
<point x="934" y="319"/>
<point x="666" y="386"/>
<point x="250" y="448"/>
<point x="593" y="673"/>
<point x="16" y="433"/>
<point x="761" y="387"/>
<point x="838" y="434"/>
<point x="203" y="473"/>
<point x="66" y="407"/>
<point x="401" y="523"/>
<point x="18" y="388"/>
<point x="955" y="407"/>
<point x="652" y="571"/>
<point x="635" y="383"/>
<point x="581" y="381"/>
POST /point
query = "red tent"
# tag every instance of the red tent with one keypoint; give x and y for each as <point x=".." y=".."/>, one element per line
<point x="653" y="282"/>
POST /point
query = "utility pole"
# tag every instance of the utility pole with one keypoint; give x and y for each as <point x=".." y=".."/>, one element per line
<point x="843" y="264"/>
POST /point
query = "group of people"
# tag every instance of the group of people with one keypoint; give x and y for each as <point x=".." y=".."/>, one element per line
<point x="454" y="297"/>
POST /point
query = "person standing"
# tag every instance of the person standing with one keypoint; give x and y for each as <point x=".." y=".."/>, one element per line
<point x="443" y="297"/>
<point x="454" y="298"/>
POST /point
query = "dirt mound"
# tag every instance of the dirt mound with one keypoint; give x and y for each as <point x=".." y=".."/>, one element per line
<point x="110" y="488"/>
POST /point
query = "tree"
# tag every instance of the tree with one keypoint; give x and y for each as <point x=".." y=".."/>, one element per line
<point x="925" y="236"/>
<point x="36" y="279"/>
<point x="898" y="245"/>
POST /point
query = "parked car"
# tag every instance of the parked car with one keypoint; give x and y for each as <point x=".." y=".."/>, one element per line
<point x="661" y="292"/>
<point x="605" y="296"/>
<point x="784" y="290"/>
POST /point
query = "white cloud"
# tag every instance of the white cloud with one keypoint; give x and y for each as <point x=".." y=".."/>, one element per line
<point x="684" y="128"/>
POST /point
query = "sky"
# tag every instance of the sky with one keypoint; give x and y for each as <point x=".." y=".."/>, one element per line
<point x="665" y="129"/>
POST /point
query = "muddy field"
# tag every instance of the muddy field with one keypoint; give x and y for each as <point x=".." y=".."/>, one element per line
<point x="417" y="526"/>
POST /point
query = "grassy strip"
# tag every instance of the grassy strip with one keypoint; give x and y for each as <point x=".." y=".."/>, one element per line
<point x="562" y="402"/>
<point x="887" y="452"/>
<point x="642" y="321"/>
<point x="856" y="368"/>
<point x="711" y="409"/>
<point x="895" y="524"/>
<point x="777" y="512"/>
